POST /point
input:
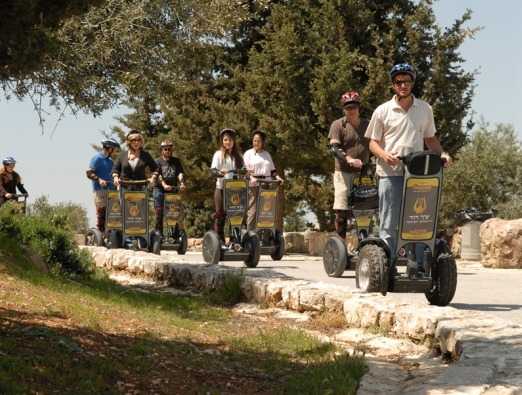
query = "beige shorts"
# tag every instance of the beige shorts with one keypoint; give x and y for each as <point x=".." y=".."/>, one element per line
<point x="100" y="198"/>
<point x="342" y="184"/>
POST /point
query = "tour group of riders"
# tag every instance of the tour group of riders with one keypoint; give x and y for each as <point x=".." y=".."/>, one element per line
<point x="401" y="125"/>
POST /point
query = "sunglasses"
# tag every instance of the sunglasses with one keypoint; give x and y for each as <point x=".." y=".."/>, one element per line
<point x="402" y="82"/>
<point x="167" y="149"/>
<point x="134" y="140"/>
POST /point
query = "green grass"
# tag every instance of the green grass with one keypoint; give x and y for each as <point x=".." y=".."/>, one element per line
<point x="89" y="335"/>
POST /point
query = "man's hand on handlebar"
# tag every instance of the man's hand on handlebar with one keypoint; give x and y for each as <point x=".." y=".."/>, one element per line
<point x="357" y="163"/>
<point x="446" y="159"/>
<point x="166" y="187"/>
<point x="8" y="195"/>
<point x="103" y="183"/>
<point x="390" y="159"/>
<point x="117" y="181"/>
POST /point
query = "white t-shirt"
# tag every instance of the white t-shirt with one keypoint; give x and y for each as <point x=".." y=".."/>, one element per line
<point x="260" y="163"/>
<point x="227" y="163"/>
<point x="400" y="132"/>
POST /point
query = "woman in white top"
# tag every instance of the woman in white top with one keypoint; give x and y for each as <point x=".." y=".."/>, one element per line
<point x="258" y="163"/>
<point x="227" y="158"/>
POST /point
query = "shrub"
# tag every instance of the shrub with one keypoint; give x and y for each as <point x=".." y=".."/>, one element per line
<point x="53" y="244"/>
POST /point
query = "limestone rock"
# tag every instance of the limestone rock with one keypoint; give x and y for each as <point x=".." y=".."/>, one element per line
<point x="456" y="242"/>
<point x="501" y="243"/>
<point x="294" y="242"/>
<point x="194" y="244"/>
<point x="316" y="242"/>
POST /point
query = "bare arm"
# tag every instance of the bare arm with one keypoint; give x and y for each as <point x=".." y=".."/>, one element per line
<point x="433" y="144"/>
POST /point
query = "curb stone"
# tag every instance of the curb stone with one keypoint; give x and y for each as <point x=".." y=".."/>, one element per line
<point x="487" y="351"/>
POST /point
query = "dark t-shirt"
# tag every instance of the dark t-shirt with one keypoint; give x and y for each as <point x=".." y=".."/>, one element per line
<point x="169" y="170"/>
<point x="352" y="142"/>
<point x="145" y="167"/>
<point x="8" y="184"/>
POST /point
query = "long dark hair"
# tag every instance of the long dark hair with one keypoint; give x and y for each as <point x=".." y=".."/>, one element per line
<point x="235" y="153"/>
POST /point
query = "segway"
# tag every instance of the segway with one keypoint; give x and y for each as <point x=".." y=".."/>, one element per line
<point x="17" y="206"/>
<point x="113" y="224"/>
<point x="339" y="256"/>
<point x="135" y="234"/>
<point x="242" y="245"/>
<point x="418" y="224"/>
<point x="174" y="236"/>
<point x="271" y="241"/>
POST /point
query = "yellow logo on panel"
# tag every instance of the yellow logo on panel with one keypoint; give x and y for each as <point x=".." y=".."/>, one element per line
<point x="116" y="208"/>
<point x="420" y="205"/>
<point x="235" y="199"/>
<point x="267" y="206"/>
<point x="134" y="210"/>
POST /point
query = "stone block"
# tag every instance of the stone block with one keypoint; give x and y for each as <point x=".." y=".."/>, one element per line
<point x="501" y="243"/>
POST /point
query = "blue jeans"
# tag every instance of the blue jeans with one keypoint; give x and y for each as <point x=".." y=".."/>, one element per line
<point x="390" y="201"/>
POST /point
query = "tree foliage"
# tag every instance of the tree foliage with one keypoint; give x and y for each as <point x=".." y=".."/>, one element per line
<point x="89" y="54"/>
<point x="487" y="174"/>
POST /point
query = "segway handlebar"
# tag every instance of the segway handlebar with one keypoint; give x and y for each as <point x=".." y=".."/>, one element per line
<point x="19" y="195"/>
<point x="134" y="182"/>
<point x="264" y="180"/>
<point x="236" y="172"/>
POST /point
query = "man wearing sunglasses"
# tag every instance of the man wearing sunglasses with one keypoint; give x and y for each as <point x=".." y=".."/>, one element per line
<point x="170" y="173"/>
<point x="400" y="126"/>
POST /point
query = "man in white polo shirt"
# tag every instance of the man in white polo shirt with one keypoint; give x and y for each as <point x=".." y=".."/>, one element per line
<point x="398" y="127"/>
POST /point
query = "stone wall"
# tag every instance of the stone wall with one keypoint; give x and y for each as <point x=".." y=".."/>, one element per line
<point x="501" y="243"/>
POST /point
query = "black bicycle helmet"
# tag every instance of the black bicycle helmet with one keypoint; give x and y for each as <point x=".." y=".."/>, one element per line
<point x="402" y="68"/>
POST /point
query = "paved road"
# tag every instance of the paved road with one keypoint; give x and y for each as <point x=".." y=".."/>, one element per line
<point x="494" y="291"/>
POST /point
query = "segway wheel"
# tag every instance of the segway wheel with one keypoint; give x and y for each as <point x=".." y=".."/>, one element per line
<point x="335" y="257"/>
<point x="279" y="251"/>
<point x="115" y="239"/>
<point x="251" y="244"/>
<point x="155" y="243"/>
<point x="211" y="248"/>
<point x="94" y="237"/>
<point x="445" y="284"/>
<point x="183" y="243"/>
<point x="372" y="269"/>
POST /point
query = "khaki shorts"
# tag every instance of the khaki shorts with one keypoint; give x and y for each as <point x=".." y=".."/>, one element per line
<point x="100" y="198"/>
<point x="342" y="184"/>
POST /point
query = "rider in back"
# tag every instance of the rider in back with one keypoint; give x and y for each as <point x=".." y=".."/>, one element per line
<point x="170" y="174"/>
<point x="10" y="180"/>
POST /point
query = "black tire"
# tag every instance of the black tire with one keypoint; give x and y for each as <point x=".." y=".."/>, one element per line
<point x="445" y="281"/>
<point x="211" y="248"/>
<point x="182" y="249"/>
<point x="279" y="251"/>
<point x="115" y="239"/>
<point x="251" y="244"/>
<point x="372" y="269"/>
<point x="335" y="257"/>
<point x="94" y="237"/>
<point x="155" y="243"/>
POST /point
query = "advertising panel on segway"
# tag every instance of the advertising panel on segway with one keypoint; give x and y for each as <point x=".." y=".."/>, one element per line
<point x="134" y="197"/>
<point x="113" y="224"/>
<point x="437" y="276"/>
<point x="174" y="236"/>
<point x="242" y="245"/>
<point x="270" y="238"/>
